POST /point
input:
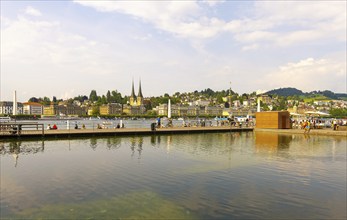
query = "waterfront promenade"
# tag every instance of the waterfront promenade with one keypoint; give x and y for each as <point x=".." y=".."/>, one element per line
<point x="63" y="133"/>
<point x="39" y="131"/>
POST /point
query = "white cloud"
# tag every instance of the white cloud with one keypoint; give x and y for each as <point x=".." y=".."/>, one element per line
<point x="32" y="11"/>
<point x="182" y="18"/>
<point x="309" y="74"/>
<point x="250" y="47"/>
<point x="277" y="23"/>
<point x="41" y="53"/>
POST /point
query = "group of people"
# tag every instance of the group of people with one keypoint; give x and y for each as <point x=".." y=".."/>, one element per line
<point x="309" y="124"/>
<point x="54" y="127"/>
<point x="306" y="125"/>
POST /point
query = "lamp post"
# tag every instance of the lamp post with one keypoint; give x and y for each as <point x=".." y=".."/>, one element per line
<point x="230" y="97"/>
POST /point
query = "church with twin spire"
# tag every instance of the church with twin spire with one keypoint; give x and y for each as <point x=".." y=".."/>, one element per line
<point x="136" y="100"/>
<point x="136" y="103"/>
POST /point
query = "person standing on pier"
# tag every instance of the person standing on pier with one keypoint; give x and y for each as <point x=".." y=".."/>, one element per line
<point x="158" y="122"/>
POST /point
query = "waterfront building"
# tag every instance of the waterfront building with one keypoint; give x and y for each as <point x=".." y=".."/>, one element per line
<point x="162" y="109"/>
<point x="193" y="111"/>
<point x="50" y="109"/>
<point x="70" y="109"/>
<point x="67" y="109"/>
<point x="134" y="110"/>
<point x="111" y="109"/>
<point x="32" y="108"/>
<point x="190" y="111"/>
<point x="213" y="110"/>
<point x="6" y="108"/>
<point x="265" y="99"/>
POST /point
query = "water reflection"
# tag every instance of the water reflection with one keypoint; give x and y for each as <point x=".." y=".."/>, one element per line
<point x="136" y="142"/>
<point x="15" y="148"/>
<point x="113" y="143"/>
<point x="210" y="176"/>
<point x="93" y="143"/>
<point x="271" y="142"/>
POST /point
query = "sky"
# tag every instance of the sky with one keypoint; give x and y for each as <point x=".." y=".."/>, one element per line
<point x="68" y="48"/>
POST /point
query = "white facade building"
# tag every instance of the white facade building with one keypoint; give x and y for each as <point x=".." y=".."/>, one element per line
<point x="6" y="108"/>
<point x="32" y="108"/>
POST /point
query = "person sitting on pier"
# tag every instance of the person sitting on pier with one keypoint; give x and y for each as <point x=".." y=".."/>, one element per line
<point x="54" y="127"/>
<point x="118" y="125"/>
<point x="76" y="126"/>
<point x="49" y="127"/>
<point x="98" y="127"/>
<point x="83" y="126"/>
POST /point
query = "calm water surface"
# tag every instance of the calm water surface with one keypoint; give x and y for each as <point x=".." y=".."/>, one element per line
<point x="199" y="176"/>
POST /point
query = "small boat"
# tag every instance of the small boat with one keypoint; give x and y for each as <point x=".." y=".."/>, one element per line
<point x="107" y="122"/>
<point x="94" y="119"/>
<point x="5" y="119"/>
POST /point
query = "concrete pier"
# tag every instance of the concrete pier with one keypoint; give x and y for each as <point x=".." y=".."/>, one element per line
<point x="64" y="133"/>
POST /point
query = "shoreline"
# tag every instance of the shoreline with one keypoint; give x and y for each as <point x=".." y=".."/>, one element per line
<point x="64" y="133"/>
<point x="325" y="132"/>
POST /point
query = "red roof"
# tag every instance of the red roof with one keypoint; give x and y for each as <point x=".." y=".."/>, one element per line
<point x="32" y="103"/>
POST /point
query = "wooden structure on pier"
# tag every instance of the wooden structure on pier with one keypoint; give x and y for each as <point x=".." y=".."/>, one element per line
<point x="273" y="119"/>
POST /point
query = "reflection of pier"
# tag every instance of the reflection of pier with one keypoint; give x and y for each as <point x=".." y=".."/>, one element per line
<point x="16" y="148"/>
<point x="61" y="133"/>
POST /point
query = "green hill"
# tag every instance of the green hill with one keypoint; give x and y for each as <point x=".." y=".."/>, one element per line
<point x="316" y="95"/>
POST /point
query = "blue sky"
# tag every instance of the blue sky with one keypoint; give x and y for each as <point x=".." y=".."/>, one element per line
<point x="68" y="48"/>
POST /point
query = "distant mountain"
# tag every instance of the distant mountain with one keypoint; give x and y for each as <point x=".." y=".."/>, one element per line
<point x="293" y="91"/>
<point x="285" y="92"/>
<point x="341" y="95"/>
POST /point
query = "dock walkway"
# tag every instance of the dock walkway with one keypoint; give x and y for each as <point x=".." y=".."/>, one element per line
<point x="63" y="133"/>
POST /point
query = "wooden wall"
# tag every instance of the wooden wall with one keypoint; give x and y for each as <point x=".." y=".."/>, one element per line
<point x="275" y="119"/>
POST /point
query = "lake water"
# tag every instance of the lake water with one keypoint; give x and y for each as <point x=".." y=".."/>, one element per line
<point x="247" y="175"/>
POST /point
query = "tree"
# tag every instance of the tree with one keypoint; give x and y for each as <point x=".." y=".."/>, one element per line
<point x="103" y="99"/>
<point x="81" y="98"/>
<point x="93" y="96"/>
<point x="95" y="110"/>
<point x="33" y="99"/>
<point x="117" y="97"/>
<point x="338" y="113"/>
<point x="46" y="101"/>
<point x="108" y="96"/>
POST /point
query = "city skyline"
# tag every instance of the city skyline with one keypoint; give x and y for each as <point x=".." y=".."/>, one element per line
<point x="68" y="48"/>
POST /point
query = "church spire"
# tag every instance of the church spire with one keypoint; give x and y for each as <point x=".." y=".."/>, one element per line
<point x="139" y="96"/>
<point x="140" y="90"/>
<point x="132" y="97"/>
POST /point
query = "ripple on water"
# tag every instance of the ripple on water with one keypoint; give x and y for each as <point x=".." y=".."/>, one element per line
<point x="205" y="176"/>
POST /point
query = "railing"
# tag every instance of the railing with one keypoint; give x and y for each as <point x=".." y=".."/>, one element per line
<point x="19" y="129"/>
